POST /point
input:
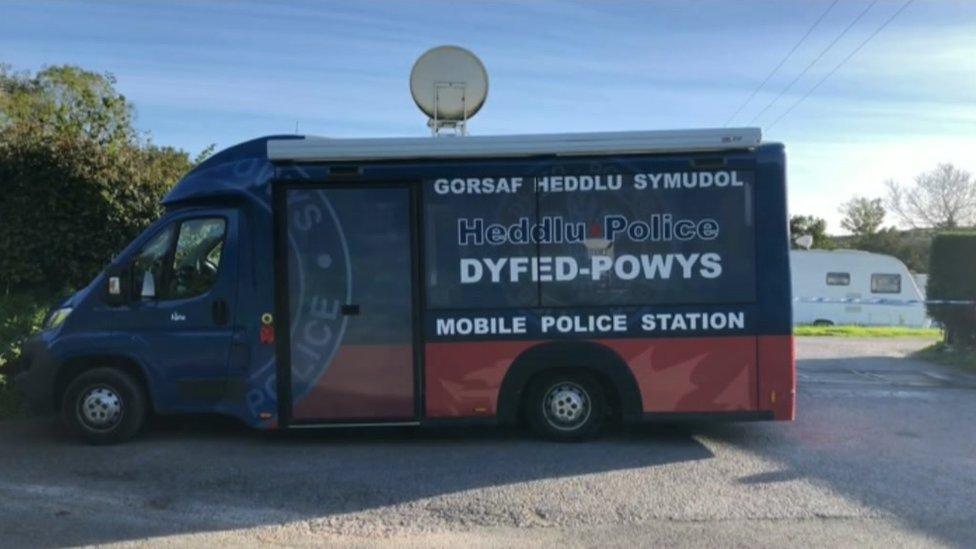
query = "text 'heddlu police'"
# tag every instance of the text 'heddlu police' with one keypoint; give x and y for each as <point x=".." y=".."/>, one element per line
<point x="555" y="230"/>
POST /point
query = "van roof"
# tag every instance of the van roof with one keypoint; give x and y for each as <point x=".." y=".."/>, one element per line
<point x="247" y="167"/>
<point x="322" y="149"/>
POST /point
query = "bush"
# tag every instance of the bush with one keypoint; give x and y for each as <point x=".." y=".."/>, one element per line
<point x="67" y="206"/>
<point x="952" y="276"/>
<point x="20" y="316"/>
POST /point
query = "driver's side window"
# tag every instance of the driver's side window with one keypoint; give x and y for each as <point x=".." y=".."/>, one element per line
<point x="149" y="267"/>
<point x="163" y="271"/>
<point x="196" y="258"/>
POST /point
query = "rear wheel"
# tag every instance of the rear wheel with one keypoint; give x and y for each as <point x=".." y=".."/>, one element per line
<point x="566" y="406"/>
<point x="103" y="406"/>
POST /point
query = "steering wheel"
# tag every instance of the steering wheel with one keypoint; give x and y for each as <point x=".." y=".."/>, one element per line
<point x="207" y="267"/>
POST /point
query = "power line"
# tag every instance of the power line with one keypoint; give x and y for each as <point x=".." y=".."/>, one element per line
<point x="839" y="65"/>
<point x="819" y="56"/>
<point x="781" y="62"/>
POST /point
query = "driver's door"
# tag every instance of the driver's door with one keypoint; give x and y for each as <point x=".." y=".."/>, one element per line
<point x="185" y="299"/>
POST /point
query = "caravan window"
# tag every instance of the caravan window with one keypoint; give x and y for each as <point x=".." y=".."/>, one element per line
<point x="838" y="279"/>
<point x="885" y="283"/>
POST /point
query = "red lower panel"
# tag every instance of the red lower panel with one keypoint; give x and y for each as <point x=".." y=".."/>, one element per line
<point x="777" y="376"/>
<point x="362" y="382"/>
<point x="674" y="375"/>
<point x="701" y="374"/>
<point x="462" y="379"/>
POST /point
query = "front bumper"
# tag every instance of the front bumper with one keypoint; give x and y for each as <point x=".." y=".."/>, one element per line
<point x="35" y="381"/>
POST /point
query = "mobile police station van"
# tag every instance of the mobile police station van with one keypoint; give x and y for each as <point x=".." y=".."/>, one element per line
<point x="562" y="280"/>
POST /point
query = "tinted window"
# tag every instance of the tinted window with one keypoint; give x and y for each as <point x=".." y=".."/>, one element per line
<point x="596" y="238"/>
<point x="196" y="258"/>
<point x="647" y="238"/>
<point x="350" y="268"/>
<point x="479" y="249"/>
<point x="886" y="283"/>
<point x="838" y="279"/>
<point x="149" y="266"/>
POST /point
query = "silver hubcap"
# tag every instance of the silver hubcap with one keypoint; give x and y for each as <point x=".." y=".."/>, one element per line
<point x="101" y="408"/>
<point x="566" y="406"/>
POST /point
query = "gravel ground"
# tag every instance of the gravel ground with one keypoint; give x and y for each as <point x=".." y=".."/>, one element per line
<point x="883" y="454"/>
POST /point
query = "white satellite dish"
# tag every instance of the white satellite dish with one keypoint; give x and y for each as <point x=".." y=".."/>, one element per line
<point x="449" y="84"/>
<point x="804" y="241"/>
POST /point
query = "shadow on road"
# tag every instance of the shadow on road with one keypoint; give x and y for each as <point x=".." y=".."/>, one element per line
<point x="209" y="474"/>
<point x="880" y="431"/>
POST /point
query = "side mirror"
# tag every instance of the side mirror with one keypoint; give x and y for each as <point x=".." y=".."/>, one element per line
<point x="148" y="286"/>
<point x="116" y="288"/>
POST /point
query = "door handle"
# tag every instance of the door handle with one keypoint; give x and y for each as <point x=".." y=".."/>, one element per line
<point x="220" y="312"/>
<point x="349" y="310"/>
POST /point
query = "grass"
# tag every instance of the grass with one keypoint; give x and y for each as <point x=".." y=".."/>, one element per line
<point x="940" y="353"/>
<point x="867" y="331"/>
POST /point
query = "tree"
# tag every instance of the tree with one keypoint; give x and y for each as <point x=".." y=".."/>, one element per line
<point x="910" y="247"/>
<point x="66" y="102"/>
<point x="944" y="198"/>
<point x="813" y="226"/>
<point x="862" y="216"/>
<point x="77" y="182"/>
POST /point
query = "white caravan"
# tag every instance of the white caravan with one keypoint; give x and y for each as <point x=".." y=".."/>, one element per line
<point x="854" y="287"/>
<point x="922" y="281"/>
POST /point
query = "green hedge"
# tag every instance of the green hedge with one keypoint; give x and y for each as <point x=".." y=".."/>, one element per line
<point x="66" y="207"/>
<point x="77" y="181"/>
<point x="20" y="316"/>
<point x="952" y="276"/>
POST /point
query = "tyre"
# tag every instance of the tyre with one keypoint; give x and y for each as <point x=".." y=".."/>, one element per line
<point x="566" y="406"/>
<point x="104" y="406"/>
<point x="823" y="322"/>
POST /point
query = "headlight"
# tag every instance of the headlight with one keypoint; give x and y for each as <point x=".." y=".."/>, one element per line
<point x="57" y="318"/>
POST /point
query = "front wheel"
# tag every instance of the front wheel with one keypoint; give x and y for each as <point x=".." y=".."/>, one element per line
<point x="103" y="406"/>
<point x="566" y="406"/>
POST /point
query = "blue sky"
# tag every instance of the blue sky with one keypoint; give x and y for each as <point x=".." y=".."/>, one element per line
<point x="203" y="73"/>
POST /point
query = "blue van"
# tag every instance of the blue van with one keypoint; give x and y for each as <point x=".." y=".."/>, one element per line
<point x="561" y="280"/>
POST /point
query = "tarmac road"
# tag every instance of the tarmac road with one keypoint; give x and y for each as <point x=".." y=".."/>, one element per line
<point x="883" y="454"/>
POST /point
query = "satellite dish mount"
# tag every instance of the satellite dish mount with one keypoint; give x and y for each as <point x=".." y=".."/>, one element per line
<point x="450" y="92"/>
<point x="449" y="84"/>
